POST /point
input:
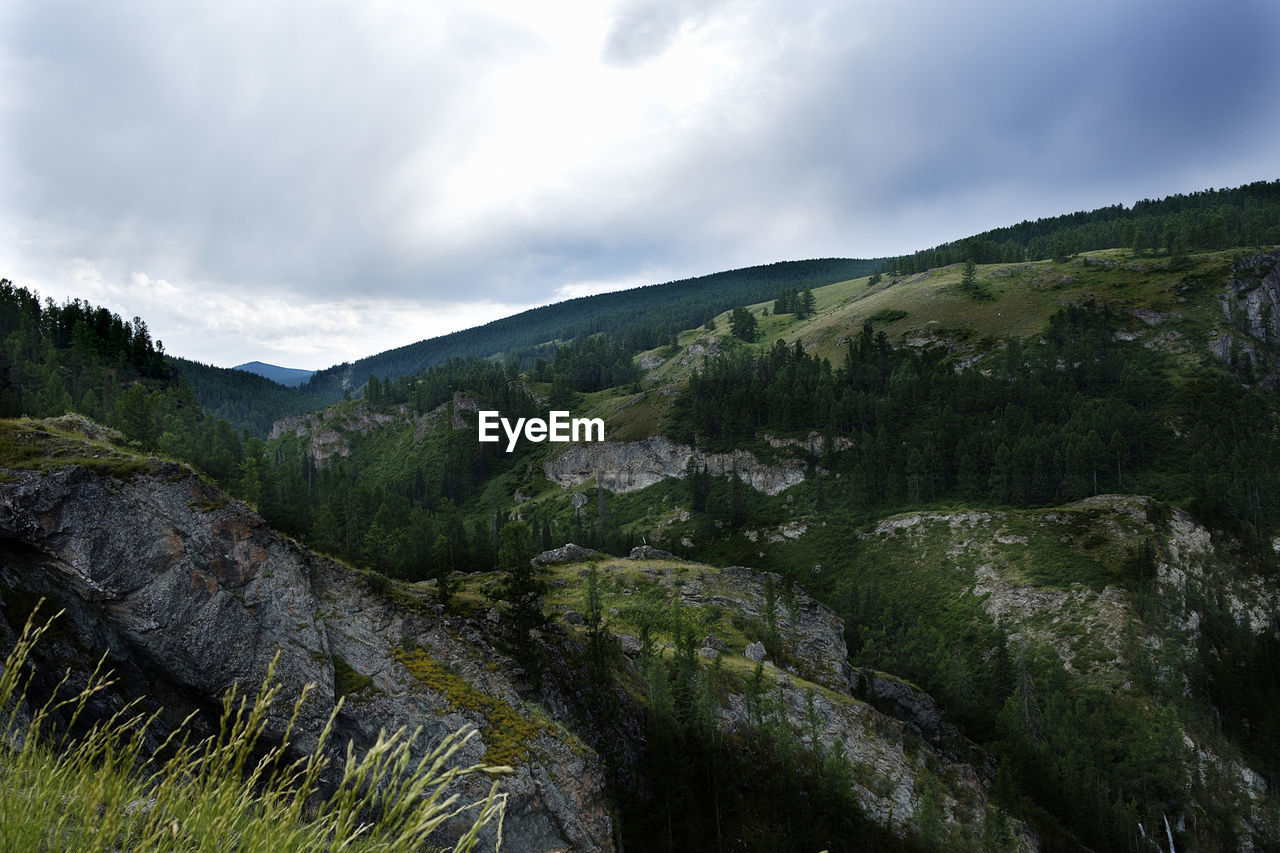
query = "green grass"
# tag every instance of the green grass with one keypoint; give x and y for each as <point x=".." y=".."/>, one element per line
<point x="1025" y="294"/>
<point x="887" y="315"/>
<point x="101" y="792"/>
<point x="930" y="306"/>
<point x="29" y="445"/>
<point x="347" y="681"/>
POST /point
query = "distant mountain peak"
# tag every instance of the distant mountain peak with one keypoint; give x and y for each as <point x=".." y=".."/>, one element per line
<point x="284" y="375"/>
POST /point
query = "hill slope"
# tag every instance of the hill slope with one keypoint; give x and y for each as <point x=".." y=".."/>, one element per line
<point x="651" y="312"/>
<point x="189" y="594"/>
<point x="1070" y="453"/>
<point x="247" y="399"/>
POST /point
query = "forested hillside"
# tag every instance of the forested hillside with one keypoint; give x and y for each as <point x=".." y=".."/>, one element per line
<point x="1030" y="473"/>
<point x="249" y="401"/>
<point x="644" y="317"/>
<point x="1075" y="412"/>
<point x="1177" y="224"/>
<point x="79" y="358"/>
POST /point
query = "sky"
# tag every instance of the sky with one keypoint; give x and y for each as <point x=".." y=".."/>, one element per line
<point x="306" y="183"/>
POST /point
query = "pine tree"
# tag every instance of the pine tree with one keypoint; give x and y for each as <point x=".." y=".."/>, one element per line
<point x="969" y="278"/>
<point x="444" y="571"/>
<point x="743" y="324"/>
<point x="522" y="587"/>
<point x="807" y="303"/>
<point x="597" y="629"/>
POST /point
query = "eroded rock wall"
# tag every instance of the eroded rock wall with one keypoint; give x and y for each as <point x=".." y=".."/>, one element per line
<point x="189" y="593"/>
<point x="633" y="465"/>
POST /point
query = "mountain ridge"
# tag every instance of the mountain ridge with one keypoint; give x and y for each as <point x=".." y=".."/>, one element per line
<point x="288" y="376"/>
<point x="686" y="302"/>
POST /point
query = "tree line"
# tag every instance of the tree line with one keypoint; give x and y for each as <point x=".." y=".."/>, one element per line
<point x="1201" y="221"/>
<point x="1071" y="414"/>
<point x="660" y="310"/>
<point x="56" y="359"/>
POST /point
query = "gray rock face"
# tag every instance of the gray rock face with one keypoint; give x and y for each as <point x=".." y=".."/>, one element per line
<point x="812" y="635"/>
<point x="325" y="431"/>
<point x="755" y="652"/>
<point x="189" y="594"/>
<point x="1258" y="300"/>
<point x="1251" y="304"/>
<point x="648" y="552"/>
<point x="909" y="704"/>
<point x="633" y="465"/>
<point x="567" y="553"/>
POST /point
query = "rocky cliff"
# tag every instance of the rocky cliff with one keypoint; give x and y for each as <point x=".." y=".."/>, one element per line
<point x="633" y="465"/>
<point x="1250" y="304"/>
<point x="188" y="593"/>
<point x="892" y="735"/>
<point x="1061" y="579"/>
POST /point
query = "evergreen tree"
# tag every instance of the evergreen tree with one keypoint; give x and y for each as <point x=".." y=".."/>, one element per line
<point x="743" y="324"/>
<point x="522" y="585"/>
<point x="444" y="571"/>
<point x="597" y="630"/>
<point x="969" y="278"/>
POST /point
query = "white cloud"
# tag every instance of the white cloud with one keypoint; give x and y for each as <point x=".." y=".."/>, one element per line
<point x="576" y="289"/>
<point x="228" y="326"/>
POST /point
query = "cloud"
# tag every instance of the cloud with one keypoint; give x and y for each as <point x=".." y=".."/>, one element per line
<point x="644" y="29"/>
<point x="353" y="156"/>
<point x="229" y="327"/>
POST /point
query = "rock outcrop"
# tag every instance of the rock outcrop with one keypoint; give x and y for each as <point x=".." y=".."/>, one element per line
<point x="188" y="594"/>
<point x="326" y="431"/>
<point x="1253" y="296"/>
<point x="1251" y="305"/>
<point x="888" y="729"/>
<point x="633" y="465"/>
<point x="1093" y="627"/>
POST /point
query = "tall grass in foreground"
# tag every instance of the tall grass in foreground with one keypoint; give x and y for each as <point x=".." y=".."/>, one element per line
<point x="99" y="792"/>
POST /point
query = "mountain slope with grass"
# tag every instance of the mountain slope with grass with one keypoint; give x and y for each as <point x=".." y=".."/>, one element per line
<point x="1037" y="490"/>
<point x="643" y="314"/>
<point x="1022" y="502"/>
<point x="183" y="593"/>
<point x="650" y="681"/>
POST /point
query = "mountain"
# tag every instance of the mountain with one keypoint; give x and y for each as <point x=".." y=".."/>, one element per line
<point x="1022" y="494"/>
<point x="290" y="376"/>
<point x="964" y="552"/>
<point x="646" y="314"/>
<point x="249" y="401"/>
<point x="189" y="594"/>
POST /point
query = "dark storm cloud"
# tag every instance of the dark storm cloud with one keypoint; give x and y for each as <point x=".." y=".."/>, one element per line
<point x="1052" y="103"/>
